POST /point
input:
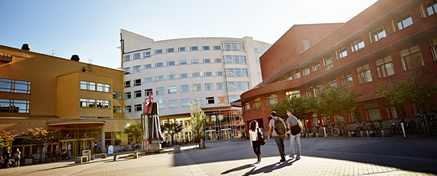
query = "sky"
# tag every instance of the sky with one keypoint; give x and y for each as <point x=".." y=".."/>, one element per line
<point x="91" y="28"/>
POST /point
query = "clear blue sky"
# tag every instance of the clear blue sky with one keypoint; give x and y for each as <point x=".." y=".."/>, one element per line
<point x="91" y="28"/>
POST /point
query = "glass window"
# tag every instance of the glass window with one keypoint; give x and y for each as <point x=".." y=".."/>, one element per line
<point x="296" y="74"/>
<point x="357" y="45"/>
<point x="262" y="51"/>
<point x="233" y="98"/>
<point x="306" y="71"/>
<point x="404" y="21"/>
<point x="126" y="71"/>
<point x="171" y="63"/>
<point x="197" y="87"/>
<point x="137" y="56"/>
<point x="217" y="48"/>
<point x="431" y="7"/>
<point x="137" y="69"/>
<point x="221" y="99"/>
<point x="220" y="86"/>
<point x="259" y="74"/>
<point x="291" y="94"/>
<point x="257" y="103"/>
<point x="149" y="79"/>
<point x="209" y="86"/>
<point x="137" y="93"/>
<point x="172" y="90"/>
<point x="170" y="50"/>
<point x="126" y="84"/>
<point x="372" y="111"/>
<point x="128" y="109"/>
<point x="173" y="103"/>
<point x="290" y="75"/>
<point x="103" y="87"/>
<point x="200" y="100"/>
<point x="14" y="106"/>
<point x="235" y="59"/>
<point x="137" y="82"/>
<point x="341" y="53"/>
<point x="183" y="62"/>
<point x="257" y="62"/>
<point x="160" y="64"/>
<point x="87" y="103"/>
<point x="395" y="109"/>
<point x="332" y="82"/>
<point x="309" y="91"/>
<point x="207" y="74"/>
<point x="241" y="85"/>
<point x="181" y="49"/>
<point x="147" y="92"/>
<point x="117" y="109"/>
<point x="127" y="95"/>
<point x="233" y="46"/>
<point x="363" y="74"/>
<point x="209" y="100"/>
<point x="195" y="74"/>
<point x="346" y="80"/>
<point x="219" y="73"/>
<point x="126" y="58"/>
<point x="195" y="61"/>
<point x="161" y="104"/>
<point x="171" y="77"/>
<point x="256" y="49"/>
<point x="218" y="60"/>
<point x="84" y="85"/>
<point x="194" y="48"/>
<point x="271" y="99"/>
<point x="104" y="104"/>
<point x="138" y="107"/>
<point x="316" y="66"/>
<point x="247" y="106"/>
<point x="158" y="51"/>
<point x="206" y="61"/>
<point x="385" y="67"/>
<point x="378" y="34"/>
<point x="116" y="95"/>
<point x="146" y="54"/>
<point x="328" y="62"/>
<point x="433" y="44"/>
<point x="205" y="47"/>
<point x="411" y="58"/>
<point x="147" y="66"/>
<point x="183" y="75"/>
<point x="159" y="78"/>
<point x="160" y="91"/>
<point x="185" y="102"/>
<point x="236" y="72"/>
<point x="185" y="88"/>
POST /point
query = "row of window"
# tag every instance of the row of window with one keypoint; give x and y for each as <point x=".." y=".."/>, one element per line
<point x="183" y="103"/>
<point x="86" y="85"/>
<point x="14" y="106"/>
<point x="92" y="103"/>
<point x="409" y="59"/>
<point x="239" y="85"/>
<point x="14" y="86"/>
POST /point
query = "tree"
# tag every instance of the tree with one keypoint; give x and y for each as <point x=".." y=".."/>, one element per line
<point x="172" y="129"/>
<point x="298" y="104"/>
<point x="135" y="130"/>
<point x="5" y="137"/>
<point x="42" y="137"/>
<point x="414" y="87"/>
<point x="333" y="101"/>
<point x="197" y="120"/>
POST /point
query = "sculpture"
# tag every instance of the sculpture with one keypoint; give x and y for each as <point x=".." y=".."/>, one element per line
<point x="151" y="128"/>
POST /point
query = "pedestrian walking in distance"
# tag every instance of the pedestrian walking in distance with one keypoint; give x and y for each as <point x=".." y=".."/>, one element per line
<point x="279" y="133"/>
<point x="254" y="131"/>
<point x="294" y="139"/>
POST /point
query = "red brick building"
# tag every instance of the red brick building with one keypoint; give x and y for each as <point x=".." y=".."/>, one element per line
<point x="385" y="42"/>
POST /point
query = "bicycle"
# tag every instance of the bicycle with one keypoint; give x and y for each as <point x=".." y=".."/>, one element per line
<point x="395" y="127"/>
<point x="432" y="122"/>
<point x="360" y="126"/>
<point x="411" y="126"/>
<point x="422" y="123"/>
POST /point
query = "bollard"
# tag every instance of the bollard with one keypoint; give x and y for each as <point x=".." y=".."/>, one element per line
<point x="324" y="130"/>
<point x="136" y="154"/>
<point x="177" y="149"/>
<point x="367" y="133"/>
<point x="403" y="130"/>
<point x="349" y="134"/>
<point x="115" y="157"/>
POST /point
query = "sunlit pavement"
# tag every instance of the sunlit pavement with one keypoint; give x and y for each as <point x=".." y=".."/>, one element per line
<point x="320" y="156"/>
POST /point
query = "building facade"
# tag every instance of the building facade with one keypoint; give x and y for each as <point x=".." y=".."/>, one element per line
<point x="389" y="40"/>
<point x="82" y="100"/>
<point x="219" y="69"/>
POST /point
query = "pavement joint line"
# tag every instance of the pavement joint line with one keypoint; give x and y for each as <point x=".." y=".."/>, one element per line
<point x="194" y="168"/>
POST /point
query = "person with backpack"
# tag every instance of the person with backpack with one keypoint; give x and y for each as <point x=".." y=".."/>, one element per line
<point x="294" y="132"/>
<point x="255" y="139"/>
<point x="279" y="133"/>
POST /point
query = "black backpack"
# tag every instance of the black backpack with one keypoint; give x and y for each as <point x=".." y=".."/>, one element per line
<point x="279" y="127"/>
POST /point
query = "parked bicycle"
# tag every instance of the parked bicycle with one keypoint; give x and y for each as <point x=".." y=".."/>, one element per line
<point x="411" y="126"/>
<point x="395" y="127"/>
<point x="360" y="126"/>
<point x="123" y="149"/>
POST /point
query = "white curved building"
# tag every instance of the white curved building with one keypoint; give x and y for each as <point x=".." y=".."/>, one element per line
<point x="221" y="69"/>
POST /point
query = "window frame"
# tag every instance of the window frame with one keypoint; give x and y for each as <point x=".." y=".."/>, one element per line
<point x="382" y="67"/>
<point x="411" y="55"/>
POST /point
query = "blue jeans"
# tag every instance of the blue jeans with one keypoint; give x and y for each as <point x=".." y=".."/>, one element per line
<point x="280" y="143"/>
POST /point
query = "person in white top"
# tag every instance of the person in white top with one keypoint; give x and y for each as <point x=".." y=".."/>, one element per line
<point x="253" y="134"/>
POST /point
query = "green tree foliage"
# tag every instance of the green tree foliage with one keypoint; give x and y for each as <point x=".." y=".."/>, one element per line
<point x="333" y="101"/>
<point x="5" y="137"/>
<point x="298" y="104"/>
<point x="415" y="87"/>
<point x="42" y="137"/>
<point x="197" y="120"/>
<point x="135" y="130"/>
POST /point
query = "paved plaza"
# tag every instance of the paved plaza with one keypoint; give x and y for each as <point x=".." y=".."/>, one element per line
<point x="320" y="156"/>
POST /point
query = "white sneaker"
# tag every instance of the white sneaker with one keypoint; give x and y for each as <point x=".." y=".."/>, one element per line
<point x="291" y="157"/>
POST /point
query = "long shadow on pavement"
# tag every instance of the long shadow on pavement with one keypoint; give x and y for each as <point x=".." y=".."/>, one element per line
<point x="265" y="169"/>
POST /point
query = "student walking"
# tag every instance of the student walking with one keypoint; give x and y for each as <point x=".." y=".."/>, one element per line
<point x="294" y="139"/>
<point x="17" y="157"/>
<point x="254" y="131"/>
<point x="278" y="134"/>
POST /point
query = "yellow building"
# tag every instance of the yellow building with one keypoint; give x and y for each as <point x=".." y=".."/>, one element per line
<point x="83" y="100"/>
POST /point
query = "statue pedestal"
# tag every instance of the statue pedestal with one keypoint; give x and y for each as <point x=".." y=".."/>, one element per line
<point x="153" y="146"/>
